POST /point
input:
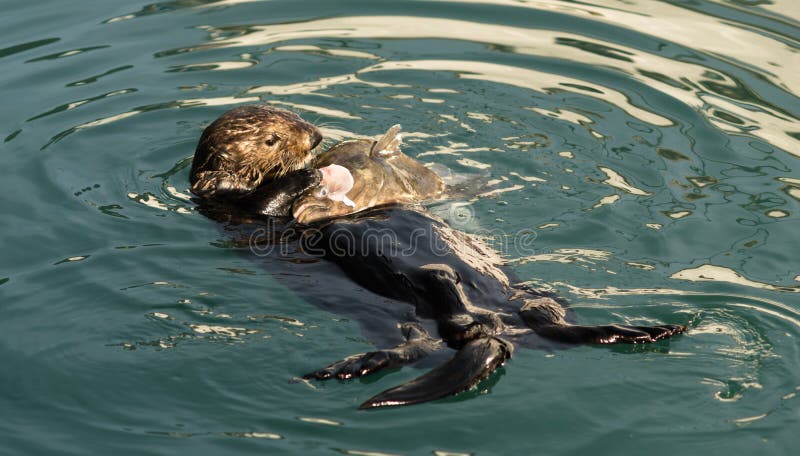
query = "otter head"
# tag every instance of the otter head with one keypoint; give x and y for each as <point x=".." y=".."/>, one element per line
<point x="248" y="145"/>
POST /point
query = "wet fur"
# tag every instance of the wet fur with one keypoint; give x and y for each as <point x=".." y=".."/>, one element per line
<point x="248" y="145"/>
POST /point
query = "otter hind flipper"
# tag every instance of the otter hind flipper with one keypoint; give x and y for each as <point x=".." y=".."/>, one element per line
<point x="546" y="317"/>
<point x="609" y="334"/>
<point x="470" y="365"/>
<point x="389" y="143"/>
<point x="417" y="345"/>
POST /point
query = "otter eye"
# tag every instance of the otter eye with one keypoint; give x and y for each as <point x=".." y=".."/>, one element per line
<point x="272" y="140"/>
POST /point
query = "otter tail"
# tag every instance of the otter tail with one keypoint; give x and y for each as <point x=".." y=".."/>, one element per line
<point x="470" y="365"/>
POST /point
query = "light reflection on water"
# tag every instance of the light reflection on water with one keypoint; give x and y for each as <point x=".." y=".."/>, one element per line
<point x="653" y="146"/>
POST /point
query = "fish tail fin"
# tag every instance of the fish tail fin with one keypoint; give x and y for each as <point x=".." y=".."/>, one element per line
<point x="389" y="143"/>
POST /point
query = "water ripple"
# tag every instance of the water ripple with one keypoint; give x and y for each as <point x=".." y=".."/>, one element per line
<point x="650" y="147"/>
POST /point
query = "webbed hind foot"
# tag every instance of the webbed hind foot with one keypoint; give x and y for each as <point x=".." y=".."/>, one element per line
<point x="417" y="345"/>
<point x="471" y="364"/>
<point x="609" y="334"/>
<point x="356" y="366"/>
<point x="546" y="317"/>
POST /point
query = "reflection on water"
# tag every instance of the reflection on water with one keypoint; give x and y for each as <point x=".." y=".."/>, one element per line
<point x="716" y="273"/>
<point x="726" y="102"/>
<point x="652" y="145"/>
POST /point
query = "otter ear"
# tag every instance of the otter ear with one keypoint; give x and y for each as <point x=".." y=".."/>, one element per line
<point x="389" y="143"/>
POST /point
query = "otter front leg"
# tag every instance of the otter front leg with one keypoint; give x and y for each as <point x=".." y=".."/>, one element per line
<point x="546" y="317"/>
<point x="417" y="345"/>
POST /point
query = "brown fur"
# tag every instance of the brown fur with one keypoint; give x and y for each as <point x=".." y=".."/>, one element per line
<point x="383" y="175"/>
<point x="249" y="144"/>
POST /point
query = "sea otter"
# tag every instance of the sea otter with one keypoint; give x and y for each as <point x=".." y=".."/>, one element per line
<point x="435" y="279"/>
<point x="252" y="160"/>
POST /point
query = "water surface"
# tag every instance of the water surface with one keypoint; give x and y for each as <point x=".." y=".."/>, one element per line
<point x="653" y="147"/>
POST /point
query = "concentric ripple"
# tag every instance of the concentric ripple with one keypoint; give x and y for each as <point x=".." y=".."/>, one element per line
<point x="641" y="158"/>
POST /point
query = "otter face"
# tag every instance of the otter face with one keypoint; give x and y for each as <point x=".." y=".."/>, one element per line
<point x="249" y="144"/>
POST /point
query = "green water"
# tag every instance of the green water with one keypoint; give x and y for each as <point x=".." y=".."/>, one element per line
<point x="653" y="147"/>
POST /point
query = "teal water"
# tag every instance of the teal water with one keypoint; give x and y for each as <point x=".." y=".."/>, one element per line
<point x="653" y="147"/>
